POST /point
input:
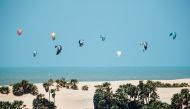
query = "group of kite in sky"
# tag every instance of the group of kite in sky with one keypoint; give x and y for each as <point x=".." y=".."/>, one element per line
<point x="81" y="42"/>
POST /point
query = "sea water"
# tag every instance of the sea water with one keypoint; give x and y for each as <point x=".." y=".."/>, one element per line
<point x="10" y="75"/>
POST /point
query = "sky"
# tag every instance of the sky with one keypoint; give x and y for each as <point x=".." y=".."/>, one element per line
<point x="126" y="23"/>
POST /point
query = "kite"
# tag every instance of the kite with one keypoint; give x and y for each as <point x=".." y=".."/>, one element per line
<point x="173" y="35"/>
<point x="53" y="35"/>
<point x="103" y="38"/>
<point x="118" y="53"/>
<point x="34" y="53"/>
<point x="58" y="49"/>
<point x="81" y="43"/>
<point x="145" y="46"/>
<point x="19" y="32"/>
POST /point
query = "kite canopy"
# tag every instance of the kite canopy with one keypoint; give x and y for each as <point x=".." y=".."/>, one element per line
<point x="103" y="37"/>
<point x="58" y="49"/>
<point x="34" y="53"/>
<point x="173" y="35"/>
<point x="53" y="35"/>
<point x="145" y="46"/>
<point x="19" y="31"/>
<point x="81" y="43"/>
<point x="118" y="53"/>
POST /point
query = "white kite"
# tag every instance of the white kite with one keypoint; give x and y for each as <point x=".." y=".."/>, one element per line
<point x="118" y="53"/>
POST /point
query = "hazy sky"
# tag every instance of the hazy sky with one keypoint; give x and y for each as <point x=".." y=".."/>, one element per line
<point x="126" y="23"/>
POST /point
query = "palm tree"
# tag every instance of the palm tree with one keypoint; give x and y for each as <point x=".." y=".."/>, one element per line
<point x="46" y="87"/>
<point x="185" y="96"/>
<point x="109" y="96"/>
<point x="53" y="94"/>
<point x="74" y="84"/>
<point x="26" y="86"/>
<point x="144" y="91"/>
<point x="154" y="96"/>
<point x="42" y="103"/>
<point x="140" y="88"/>
<point x="34" y="89"/>
<point x="103" y="97"/>
<point x="151" y="85"/>
<point x="98" y="96"/>
<point x="177" y="101"/>
<point x="158" y="105"/>
<point x="121" y="97"/>
<point x="61" y="82"/>
<point x="131" y="90"/>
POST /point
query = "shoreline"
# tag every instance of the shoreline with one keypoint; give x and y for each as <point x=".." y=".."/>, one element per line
<point x="72" y="99"/>
<point x="99" y="81"/>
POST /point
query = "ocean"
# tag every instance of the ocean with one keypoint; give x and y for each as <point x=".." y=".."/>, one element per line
<point x="10" y="75"/>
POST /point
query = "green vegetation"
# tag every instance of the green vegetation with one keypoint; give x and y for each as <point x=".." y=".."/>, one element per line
<point x="47" y="85"/>
<point x="142" y="96"/>
<point x="53" y="94"/>
<point x="127" y="96"/>
<point x="159" y="84"/>
<point x="50" y="82"/>
<point x="61" y="82"/>
<point x="42" y="103"/>
<point x="74" y="83"/>
<point x="13" y="105"/>
<point x="181" y="100"/>
<point x="24" y="87"/>
<point x="157" y="105"/>
<point x="85" y="87"/>
<point x="68" y="85"/>
<point x="4" y="90"/>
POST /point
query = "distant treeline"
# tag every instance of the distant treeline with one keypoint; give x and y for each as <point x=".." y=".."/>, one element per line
<point x="160" y="84"/>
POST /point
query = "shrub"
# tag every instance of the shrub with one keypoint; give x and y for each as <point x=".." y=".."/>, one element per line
<point x="12" y="105"/>
<point x="175" y="85"/>
<point x="74" y="83"/>
<point x="74" y="87"/>
<point x="159" y="84"/>
<point x="167" y="85"/>
<point x="61" y="82"/>
<point x="4" y="90"/>
<point x="85" y="87"/>
<point x="184" y="85"/>
<point x="42" y="103"/>
<point x="98" y="86"/>
<point x="24" y="87"/>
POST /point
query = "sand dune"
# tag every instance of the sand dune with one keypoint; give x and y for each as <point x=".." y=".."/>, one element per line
<point x="78" y="99"/>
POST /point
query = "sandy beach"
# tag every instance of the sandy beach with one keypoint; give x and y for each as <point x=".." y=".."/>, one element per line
<point x="78" y="99"/>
